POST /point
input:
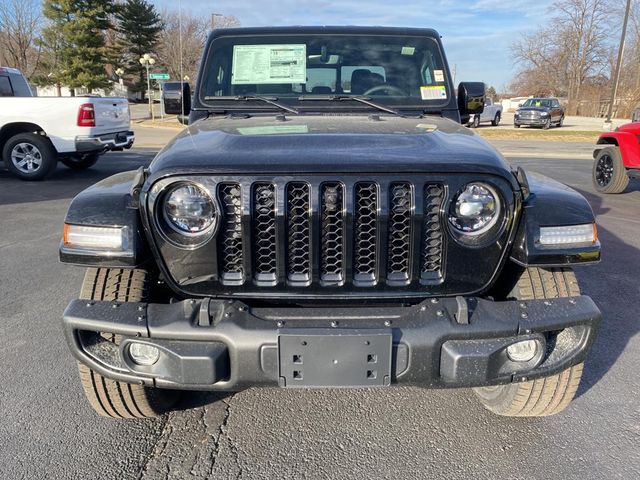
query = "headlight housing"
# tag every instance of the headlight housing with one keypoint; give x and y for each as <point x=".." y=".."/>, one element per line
<point x="189" y="210"/>
<point x="475" y="209"/>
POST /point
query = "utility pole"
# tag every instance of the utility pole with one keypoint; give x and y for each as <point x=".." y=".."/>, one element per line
<point x="616" y="74"/>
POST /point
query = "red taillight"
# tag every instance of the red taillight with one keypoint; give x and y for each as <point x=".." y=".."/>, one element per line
<point x="86" y="115"/>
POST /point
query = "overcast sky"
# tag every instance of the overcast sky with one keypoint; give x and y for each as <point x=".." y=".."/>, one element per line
<point x="476" y="33"/>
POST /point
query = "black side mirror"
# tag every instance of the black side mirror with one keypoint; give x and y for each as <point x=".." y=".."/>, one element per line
<point x="471" y="98"/>
<point x="180" y="103"/>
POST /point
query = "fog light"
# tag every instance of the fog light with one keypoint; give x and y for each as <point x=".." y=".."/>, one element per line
<point x="523" y="351"/>
<point x="143" y="354"/>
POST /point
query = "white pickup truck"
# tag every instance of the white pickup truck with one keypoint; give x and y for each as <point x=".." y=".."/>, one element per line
<point x="36" y="132"/>
<point x="492" y="113"/>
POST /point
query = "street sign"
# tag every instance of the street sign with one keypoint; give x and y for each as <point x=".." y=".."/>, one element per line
<point x="159" y="76"/>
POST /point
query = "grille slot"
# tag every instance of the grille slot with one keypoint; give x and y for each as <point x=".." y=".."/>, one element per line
<point x="332" y="233"/>
<point x="298" y="233"/>
<point x="432" y="234"/>
<point x="366" y="233"/>
<point x="230" y="249"/>
<point x="263" y="232"/>
<point x="399" y="242"/>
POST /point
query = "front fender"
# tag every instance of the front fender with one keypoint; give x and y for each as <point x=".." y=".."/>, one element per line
<point x="627" y="142"/>
<point x="549" y="204"/>
<point x="109" y="203"/>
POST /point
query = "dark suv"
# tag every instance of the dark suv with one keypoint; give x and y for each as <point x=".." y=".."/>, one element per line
<point x="326" y="221"/>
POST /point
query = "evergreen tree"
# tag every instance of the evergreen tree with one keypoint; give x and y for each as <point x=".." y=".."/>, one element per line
<point x="139" y="27"/>
<point x="79" y="26"/>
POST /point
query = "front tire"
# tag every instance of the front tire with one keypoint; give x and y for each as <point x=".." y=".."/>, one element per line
<point x="476" y="121"/>
<point x="30" y="156"/>
<point x="608" y="173"/>
<point x="496" y="120"/>
<point x="80" y="161"/>
<point x="547" y="124"/>
<point x="543" y="396"/>
<point x="110" y="398"/>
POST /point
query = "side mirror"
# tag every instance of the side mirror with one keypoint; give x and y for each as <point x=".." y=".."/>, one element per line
<point x="471" y="99"/>
<point x="179" y="102"/>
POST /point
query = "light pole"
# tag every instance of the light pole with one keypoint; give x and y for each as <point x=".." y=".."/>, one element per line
<point x="213" y="19"/>
<point x="147" y="61"/>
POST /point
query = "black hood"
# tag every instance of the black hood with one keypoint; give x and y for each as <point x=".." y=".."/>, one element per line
<point x="328" y="143"/>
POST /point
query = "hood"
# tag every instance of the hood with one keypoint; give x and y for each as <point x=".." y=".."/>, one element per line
<point x="327" y="143"/>
<point x="533" y="109"/>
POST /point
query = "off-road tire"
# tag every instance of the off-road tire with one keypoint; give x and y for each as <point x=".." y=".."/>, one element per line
<point x="80" y="162"/>
<point x="543" y="396"/>
<point x="619" y="177"/>
<point x="110" y="398"/>
<point x="49" y="156"/>
<point x="496" y="120"/>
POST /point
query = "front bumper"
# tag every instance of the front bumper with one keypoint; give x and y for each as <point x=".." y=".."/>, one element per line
<point x="225" y="345"/>
<point x="534" y="122"/>
<point x="106" y="142"/>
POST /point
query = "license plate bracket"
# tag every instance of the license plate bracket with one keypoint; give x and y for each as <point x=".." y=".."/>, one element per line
<point x="335" y="358"/>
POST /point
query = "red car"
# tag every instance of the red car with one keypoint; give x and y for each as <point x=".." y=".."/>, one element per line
<point x="617" y="158"/>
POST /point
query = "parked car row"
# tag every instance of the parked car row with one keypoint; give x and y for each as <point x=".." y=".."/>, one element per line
<point x="37" y="132"/>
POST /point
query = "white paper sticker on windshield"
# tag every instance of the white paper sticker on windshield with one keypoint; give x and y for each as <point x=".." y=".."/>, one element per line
<point x="408" y="50"/>
<point x="269" y="64"/>
<point x="433" y="93"/>
<point x="438" y="75"/>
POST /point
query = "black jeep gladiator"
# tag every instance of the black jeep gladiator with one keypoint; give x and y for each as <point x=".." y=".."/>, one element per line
<point x="326" y="221"/>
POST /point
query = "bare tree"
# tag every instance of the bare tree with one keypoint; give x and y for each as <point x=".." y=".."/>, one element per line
<point x="20" y="22"/>
<point x="181" y="62"/>
<point x="569" y="51"/>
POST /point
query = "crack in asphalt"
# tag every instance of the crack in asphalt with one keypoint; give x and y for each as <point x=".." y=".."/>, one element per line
<point x="157" y="451"/>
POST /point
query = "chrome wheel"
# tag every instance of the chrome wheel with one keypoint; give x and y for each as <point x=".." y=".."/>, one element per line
<point x="604" y="170"/>
<point x="26" y="157"/>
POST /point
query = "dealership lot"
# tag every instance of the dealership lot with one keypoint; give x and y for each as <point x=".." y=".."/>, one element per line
<point x="48" y="431"/>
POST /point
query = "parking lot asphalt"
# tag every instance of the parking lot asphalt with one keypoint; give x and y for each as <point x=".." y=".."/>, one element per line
<point x="47" y="430"/>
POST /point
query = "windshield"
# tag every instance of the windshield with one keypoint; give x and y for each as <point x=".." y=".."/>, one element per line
<point x="394" y="70"/>
<point x="537" y="102"/>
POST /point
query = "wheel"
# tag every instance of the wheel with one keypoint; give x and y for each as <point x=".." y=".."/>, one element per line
<point x="30" y="156"/>
<point x="496" y="120"/>
<point x="609" y="174"/>
<point x="547" y="124"/>
<point x="476" y="121"/>
<point x="516" y="125"/>
<point x="561" y="121"/>
<point x="110" y="398"/>
<point x="543" y="396"/>
<point x="81" y="161"/>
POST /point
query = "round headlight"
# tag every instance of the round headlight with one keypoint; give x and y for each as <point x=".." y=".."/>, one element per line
<point x="189" y="210"/>
<point x="475" y="209"/>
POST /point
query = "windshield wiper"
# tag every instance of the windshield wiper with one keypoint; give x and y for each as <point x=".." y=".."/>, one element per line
<point x="269" y="100"/>
<point x="356" y="98"/>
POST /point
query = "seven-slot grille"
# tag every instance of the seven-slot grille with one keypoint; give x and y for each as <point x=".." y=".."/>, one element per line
<point x="330" y="233"/>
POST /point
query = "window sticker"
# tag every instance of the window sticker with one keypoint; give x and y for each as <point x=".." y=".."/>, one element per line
<point x="438" y="75"/>
<point x="433" y="92"/>
<point x="408" y="50"/>
<point x="269" y="64"/>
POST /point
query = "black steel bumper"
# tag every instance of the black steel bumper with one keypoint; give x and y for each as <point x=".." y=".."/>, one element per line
<point x="102" y="143"/>
<point x="225" y="345"/>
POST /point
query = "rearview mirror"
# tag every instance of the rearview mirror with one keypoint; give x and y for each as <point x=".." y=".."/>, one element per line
<point x="471" y="99"/>
<point x="177" y="102"/>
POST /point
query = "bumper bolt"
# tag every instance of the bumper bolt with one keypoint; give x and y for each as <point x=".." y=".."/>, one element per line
<point x="227" y="314"/>
<point x="524" y="315"/>
<point x="434" y="300"/>
<point x="140" y="318"/>
<point x="572" y="301"/>
<point x="523" y="305"/>
<point x="387" y="323"/>
<point x="280" y="324"/>
<point x="440" y="313"/>
<point x="115" y="305"/>
<point x="242" y="309"/>
<point x="141" y="308"/>
<point x="90" y="304"/>
<point x="423" y="308"/>
<point x="334" y="323"/>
